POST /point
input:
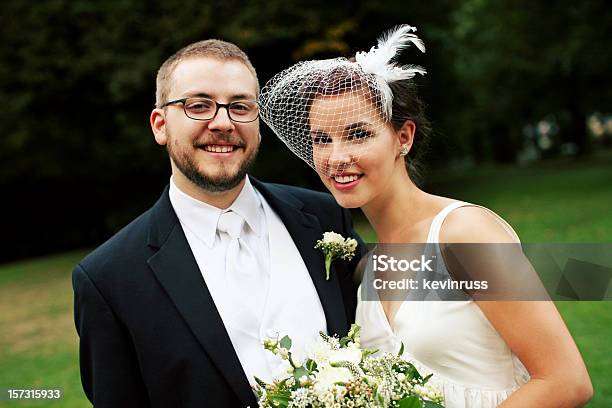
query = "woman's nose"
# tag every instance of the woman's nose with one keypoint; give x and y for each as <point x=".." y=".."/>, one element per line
<point x="340" y="156"/>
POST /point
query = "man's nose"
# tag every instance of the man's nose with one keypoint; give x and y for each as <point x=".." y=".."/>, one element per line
<point x="221" y="121"/>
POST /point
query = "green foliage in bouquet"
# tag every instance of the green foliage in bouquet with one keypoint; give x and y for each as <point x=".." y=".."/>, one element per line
<point x="338" y="373"/>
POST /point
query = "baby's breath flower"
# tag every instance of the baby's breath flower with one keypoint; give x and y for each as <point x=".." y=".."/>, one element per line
<point x="300" y="398"/>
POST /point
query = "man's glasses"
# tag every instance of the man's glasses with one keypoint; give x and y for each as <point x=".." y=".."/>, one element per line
<point x="207" y="109"/>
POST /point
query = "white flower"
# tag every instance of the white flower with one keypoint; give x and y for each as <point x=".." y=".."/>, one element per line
<point x="299" y="398"/>
<point x="351" y="244"/>
<point x="328" y="376"/>
<point x="430" y="392"/>
<point x="334" y="343"/>
<point x="351" y="355"/>
<point x="326" y="397"/>
<point x="330" y="236"/>
<point x="319" y="351"/>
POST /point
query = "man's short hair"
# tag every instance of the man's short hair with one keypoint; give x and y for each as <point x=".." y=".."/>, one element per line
<point x="219" y="49"/>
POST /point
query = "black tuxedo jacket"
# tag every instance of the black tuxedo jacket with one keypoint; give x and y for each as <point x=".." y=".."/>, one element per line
<point x="150" y="333"/>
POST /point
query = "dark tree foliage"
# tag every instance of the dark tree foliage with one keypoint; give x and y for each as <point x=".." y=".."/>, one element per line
<point x="77" y="83"/>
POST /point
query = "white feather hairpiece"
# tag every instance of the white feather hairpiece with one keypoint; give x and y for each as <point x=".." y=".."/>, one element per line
<point x="378" y="61"/>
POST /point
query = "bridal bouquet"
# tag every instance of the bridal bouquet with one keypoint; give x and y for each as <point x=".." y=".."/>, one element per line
<point x="338" y="373"/>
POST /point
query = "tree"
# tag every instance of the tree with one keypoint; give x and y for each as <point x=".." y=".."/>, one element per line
<point x="523" y="60"/>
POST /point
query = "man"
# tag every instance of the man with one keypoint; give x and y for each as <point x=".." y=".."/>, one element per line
<point x="172" y="310"/>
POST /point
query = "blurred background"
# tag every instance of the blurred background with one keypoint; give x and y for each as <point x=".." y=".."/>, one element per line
<point x="519" y="93"/>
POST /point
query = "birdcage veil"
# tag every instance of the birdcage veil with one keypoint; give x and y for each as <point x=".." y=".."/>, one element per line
<point x="325" y="110"/>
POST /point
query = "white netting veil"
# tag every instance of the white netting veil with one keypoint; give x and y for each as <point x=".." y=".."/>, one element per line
<point x="325" y="111"/>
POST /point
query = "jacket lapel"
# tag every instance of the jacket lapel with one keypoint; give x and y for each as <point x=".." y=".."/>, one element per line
<point x="176" y="269"/>
<point x="305" y="230"/>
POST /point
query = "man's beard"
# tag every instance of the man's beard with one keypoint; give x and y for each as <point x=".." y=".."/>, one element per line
<point x="214" y="184"/>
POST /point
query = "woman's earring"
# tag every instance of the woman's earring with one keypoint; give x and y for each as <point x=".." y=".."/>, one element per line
<point x="404" y="150"/>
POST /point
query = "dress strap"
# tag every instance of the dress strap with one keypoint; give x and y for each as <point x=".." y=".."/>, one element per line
<point x="436" y="224"/>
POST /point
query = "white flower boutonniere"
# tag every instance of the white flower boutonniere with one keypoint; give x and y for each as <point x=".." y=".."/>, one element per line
<point x="334" y="246"/>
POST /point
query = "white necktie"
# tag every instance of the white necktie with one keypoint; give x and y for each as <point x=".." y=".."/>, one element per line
<point x="242" y="272"/>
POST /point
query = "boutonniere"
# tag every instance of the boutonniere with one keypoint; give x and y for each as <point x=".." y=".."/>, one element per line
<point x="334" y="246"/>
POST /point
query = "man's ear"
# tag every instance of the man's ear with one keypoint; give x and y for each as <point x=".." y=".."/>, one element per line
<point x="405" y="134"/>
<point x="158" y="125"/>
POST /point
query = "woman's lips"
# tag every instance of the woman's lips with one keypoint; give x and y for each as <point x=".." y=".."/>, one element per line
<point x="346" y="186"/>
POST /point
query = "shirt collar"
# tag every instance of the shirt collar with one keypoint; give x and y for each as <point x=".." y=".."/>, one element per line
<point x="201" y="218"/>
<point x="248" y="206"/>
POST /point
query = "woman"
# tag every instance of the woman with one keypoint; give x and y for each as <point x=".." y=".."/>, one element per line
<point x="361" y="126"/>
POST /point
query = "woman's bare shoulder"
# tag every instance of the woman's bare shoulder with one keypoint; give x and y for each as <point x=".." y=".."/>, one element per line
<point x="474" y="224"/>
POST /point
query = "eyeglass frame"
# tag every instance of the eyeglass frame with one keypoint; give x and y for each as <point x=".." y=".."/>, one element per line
<point x="217" y="104"/>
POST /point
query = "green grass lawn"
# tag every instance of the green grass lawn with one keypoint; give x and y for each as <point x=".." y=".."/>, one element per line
<point x="560" y="203"/>
<point x="38" y="341"/>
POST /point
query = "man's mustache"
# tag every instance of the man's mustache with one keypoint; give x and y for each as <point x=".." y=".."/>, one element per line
<point x="220" y="137"/>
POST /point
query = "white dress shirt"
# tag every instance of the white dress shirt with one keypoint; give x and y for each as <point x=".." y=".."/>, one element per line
<point x="290" y="302"/>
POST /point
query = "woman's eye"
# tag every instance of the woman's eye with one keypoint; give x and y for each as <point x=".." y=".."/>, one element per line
<point x="359" y="135"/>
<point x="321" y="139"/>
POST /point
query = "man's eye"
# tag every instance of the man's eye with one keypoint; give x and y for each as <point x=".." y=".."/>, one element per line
<point x="240" y="107"/>
<point x="199" y="106"/>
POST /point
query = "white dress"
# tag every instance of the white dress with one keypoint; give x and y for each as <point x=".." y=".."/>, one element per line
<point x="471" y="363"/>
